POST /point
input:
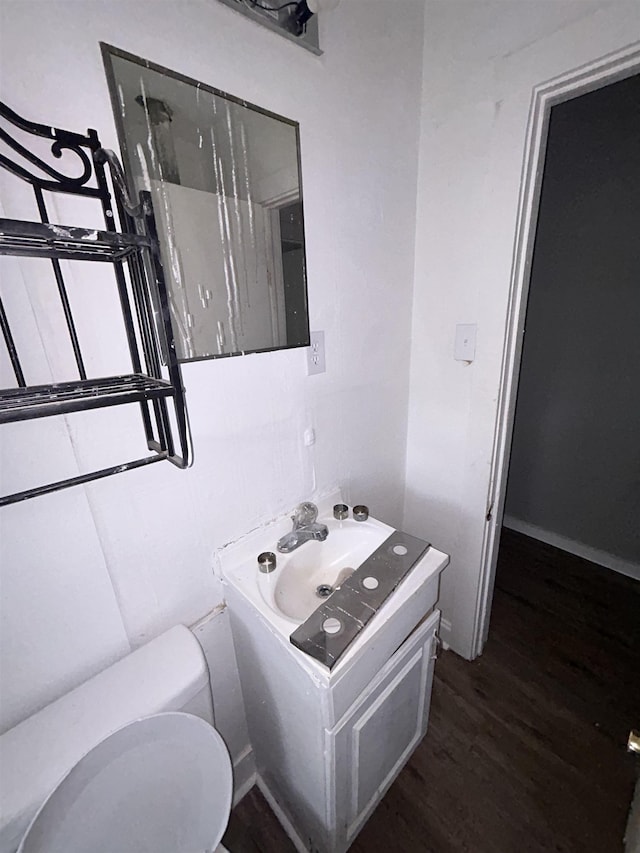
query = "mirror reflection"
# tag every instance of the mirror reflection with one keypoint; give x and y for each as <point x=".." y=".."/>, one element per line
<point x="225" y="180"/>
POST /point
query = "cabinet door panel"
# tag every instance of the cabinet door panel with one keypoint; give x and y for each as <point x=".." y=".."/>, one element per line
<point x="379" y="733"/>
<point x="386" y="733"/>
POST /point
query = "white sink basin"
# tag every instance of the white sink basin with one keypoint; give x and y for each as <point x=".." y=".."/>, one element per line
<point x="286" y="597"/>
<point x="292" y="589"/>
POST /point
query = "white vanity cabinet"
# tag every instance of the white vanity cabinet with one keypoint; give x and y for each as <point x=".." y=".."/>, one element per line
<point x="327" y="745"/>
<point x="374" y="740"/>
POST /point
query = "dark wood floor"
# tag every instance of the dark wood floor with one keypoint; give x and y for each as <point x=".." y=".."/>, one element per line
<point x="525" y="751"/>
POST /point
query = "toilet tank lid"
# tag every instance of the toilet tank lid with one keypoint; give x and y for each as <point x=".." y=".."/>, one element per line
<point x="34" y="755"/>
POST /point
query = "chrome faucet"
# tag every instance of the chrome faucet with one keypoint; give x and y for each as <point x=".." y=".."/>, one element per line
<point x="305" y="529"/>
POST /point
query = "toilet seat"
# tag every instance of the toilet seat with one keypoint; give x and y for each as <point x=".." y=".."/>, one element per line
<point x="162" y="784"/>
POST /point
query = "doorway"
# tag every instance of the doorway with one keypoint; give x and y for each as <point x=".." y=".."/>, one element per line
<point x="573" y="85"/>
<point x="574" y="475"/>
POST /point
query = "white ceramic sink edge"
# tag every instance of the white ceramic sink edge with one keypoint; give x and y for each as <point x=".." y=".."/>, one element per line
<point x="264" y="538"/>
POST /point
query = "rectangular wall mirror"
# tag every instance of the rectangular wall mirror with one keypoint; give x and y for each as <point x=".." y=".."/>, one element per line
<point x="227" y="193"/>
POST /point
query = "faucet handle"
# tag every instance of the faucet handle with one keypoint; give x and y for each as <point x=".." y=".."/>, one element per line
<point x="305" y="513"/>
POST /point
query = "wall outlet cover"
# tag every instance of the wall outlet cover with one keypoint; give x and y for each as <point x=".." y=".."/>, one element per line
<point x="316" y="362"/>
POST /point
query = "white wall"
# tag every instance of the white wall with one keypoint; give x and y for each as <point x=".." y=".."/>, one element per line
<point x="91" y="572"/>
<point x="575" y="459"/>
<point x="481" y="62"/>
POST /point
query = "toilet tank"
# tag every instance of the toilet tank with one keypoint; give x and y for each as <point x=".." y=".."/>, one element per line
<point x="168" y="674"/>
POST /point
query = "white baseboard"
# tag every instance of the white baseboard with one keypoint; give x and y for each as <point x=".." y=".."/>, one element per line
<point x="244" y="774"/>
<point x="602" y="558"/>
<point x="445" y="633"/>
<point x="285" y="823"/>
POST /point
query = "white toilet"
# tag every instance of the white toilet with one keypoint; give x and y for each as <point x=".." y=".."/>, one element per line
<point x="129" y="762"/>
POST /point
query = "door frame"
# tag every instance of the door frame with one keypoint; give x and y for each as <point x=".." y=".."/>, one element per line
<point x="271" y="208"/>
<point x="587" y="78"/>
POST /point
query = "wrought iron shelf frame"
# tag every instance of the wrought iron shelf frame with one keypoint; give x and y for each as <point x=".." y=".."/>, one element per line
<point x="133" y="251"/>
<point x="43" y="240"/>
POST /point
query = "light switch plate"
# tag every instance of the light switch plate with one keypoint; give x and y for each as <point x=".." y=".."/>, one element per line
<point x="316" y="362"/>
<point x="465" y="346"/>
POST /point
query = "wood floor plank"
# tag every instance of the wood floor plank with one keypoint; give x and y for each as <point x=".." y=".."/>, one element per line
<point x="525" y="751"/>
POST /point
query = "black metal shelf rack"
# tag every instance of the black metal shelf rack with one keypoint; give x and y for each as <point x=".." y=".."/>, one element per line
<point x="133" y="252"/>
<point x="61" y="242"/>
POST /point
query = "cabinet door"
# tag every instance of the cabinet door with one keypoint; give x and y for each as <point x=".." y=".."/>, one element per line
<point x="379" y="733"/>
